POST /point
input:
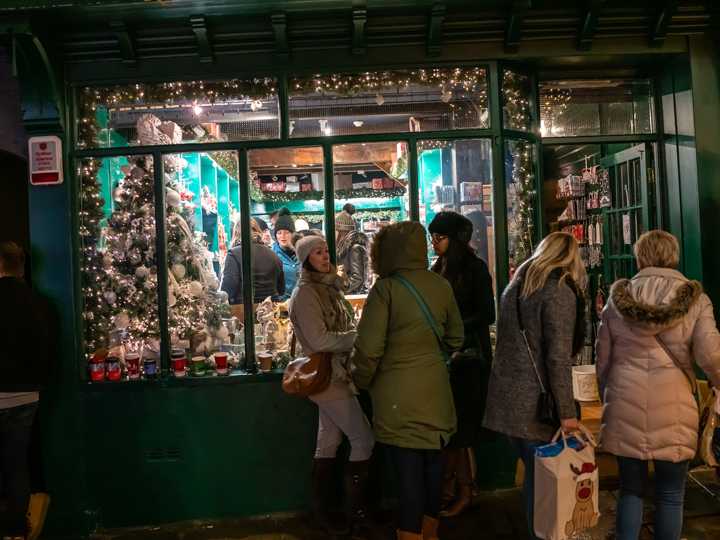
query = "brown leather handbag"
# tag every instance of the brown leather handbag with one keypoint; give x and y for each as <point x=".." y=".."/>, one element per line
<point x="307" y="375"/>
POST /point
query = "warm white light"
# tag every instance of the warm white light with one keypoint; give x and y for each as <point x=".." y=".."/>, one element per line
<point x="197" y="109"/>
<point x="379" y="99"/>
<point x="358" y="123"/>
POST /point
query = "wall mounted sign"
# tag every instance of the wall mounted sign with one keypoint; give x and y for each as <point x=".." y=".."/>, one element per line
<point x="46" y="167"/>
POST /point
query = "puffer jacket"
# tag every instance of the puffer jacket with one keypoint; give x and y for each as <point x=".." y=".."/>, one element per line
<point x="649" y="410"/>
<point x="397" y="356"/>
<point x="352" y="254"/>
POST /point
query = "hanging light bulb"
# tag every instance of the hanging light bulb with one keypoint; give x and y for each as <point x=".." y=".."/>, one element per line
<point x="197" y="109"/>
<point x="379" y="99"/>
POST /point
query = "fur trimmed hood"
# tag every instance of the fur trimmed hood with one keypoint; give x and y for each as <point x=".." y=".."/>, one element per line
<point x="400" y="246"/>
<point x="655" y="299"/>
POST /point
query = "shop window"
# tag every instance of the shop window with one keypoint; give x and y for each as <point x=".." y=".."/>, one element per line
<point x="202" y="196"/>
<point x="388" y="101"/>
<point x="458" y="176"/>
<point x="119" y="273"/>
<point x="517" y="101"/>
<point x="521" y="199"/>
<point x="596" y="107"/>
<point x="286" y="201"/>
<point x="177" y="112"/>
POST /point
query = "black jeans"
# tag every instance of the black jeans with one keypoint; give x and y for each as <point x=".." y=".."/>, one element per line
<point x="419" y="476"/>
<point x="15" y="430"/>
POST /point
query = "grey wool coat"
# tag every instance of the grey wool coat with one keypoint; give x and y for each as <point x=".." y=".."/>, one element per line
<point x="513" y="391"/>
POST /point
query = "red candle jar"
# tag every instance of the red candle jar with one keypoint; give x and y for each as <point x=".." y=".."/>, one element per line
<point x="132" y="360"/>
<point x="178" y="363"/>
<point x="113" y="370"/>
<point x="221" y="363"/>
<point x="97" y="370"/>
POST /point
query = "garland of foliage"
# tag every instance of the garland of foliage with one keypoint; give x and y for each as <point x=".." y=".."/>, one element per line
<point x="286" y="196"/>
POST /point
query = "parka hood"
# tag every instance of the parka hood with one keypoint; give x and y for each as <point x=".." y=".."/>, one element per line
<point x="401" y="246"/>
<point x="655" y="299"/>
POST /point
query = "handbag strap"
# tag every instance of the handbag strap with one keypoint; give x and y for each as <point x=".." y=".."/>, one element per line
<point x="689" y="374"/>
<point x="425" y="310"/>
<point x="524" y="335"/>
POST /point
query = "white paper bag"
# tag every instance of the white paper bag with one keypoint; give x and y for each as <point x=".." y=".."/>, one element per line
<point x="566" y="487"/>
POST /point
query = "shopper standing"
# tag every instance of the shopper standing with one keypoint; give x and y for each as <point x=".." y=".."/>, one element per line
<point x="24" y="361"/>
<point x="470" y="367"/>
<point x="399" y="359"/>
<point x="283" y="248"/>
<point x="544" y="298"/>
<point x="268" y="275"/>
<point x="352" y="253"/>
<point x="323" y="322"/>
<point x="651" y="330"/>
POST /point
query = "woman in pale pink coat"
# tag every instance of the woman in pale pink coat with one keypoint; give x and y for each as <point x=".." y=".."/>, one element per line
<point x="652" y="329"/>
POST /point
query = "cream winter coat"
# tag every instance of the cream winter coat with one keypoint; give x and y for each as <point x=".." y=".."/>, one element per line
<point x="649" y="409"/>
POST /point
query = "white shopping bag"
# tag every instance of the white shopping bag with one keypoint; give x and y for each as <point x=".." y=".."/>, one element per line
<point x="566" y="486"/>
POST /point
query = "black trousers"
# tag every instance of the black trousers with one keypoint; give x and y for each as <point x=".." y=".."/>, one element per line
<point x="419" y="476"/>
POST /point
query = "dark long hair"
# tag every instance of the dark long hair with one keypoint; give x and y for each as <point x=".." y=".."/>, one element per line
<point x="450" y="265"/>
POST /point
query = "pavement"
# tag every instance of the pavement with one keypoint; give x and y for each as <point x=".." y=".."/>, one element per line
<point x="496" y="515"/>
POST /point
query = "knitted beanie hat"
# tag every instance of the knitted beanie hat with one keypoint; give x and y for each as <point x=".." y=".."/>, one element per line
<point x="285" y="223"/>
<point x="305" y="245"/>
<point x="451" y="224"/>
<point x="344" y="222"/>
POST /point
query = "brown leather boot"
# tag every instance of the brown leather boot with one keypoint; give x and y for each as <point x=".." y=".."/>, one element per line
<point x="323" y="480"/>
<point x="406" y="535"/>
<point x="430" y="528"/>
<point x="465" y="473"/>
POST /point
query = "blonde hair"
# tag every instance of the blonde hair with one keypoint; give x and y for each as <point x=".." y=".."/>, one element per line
<point x="558" y="250"/>
<point x="657" y="248"/>
<point x="255" y="232"/>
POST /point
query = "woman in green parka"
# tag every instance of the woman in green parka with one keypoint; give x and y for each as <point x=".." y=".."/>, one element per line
<point x="398" y="359"/>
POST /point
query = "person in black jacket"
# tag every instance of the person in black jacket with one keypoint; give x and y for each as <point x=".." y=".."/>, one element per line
<point x="267" y="269"/>
<point x="352" y="252"/>
<point x="24" y="360"/>
<point x="470" y="367"/>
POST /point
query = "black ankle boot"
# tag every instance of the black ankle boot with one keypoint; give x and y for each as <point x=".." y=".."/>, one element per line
<point x="356" y="481"/>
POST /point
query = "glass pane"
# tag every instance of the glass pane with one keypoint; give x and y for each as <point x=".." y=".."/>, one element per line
<point x="287" y="201"/>
<point x="388" y="101"/>
<point x="371" y="191"/>
<point x="520" y="193"/>
<point x="119" y="268"/>
<point x="517" y="101"/>
<point x="458" y="176"/>
<point x="177" y="112"/>
<point x="596" y="107"/>
<point x="202" y="206"/>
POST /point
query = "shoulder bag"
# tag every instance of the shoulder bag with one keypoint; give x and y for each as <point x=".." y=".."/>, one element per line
<point x="547" y="412"/>
<point x="427" y="313"/>
<point x="689" y="373"/>
<point x="307" y="375"/>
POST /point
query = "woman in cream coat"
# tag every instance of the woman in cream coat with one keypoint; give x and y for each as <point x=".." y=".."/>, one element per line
<point x="652" y="329"/>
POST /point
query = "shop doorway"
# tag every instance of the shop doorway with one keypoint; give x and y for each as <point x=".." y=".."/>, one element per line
<point x="14" y="200"/>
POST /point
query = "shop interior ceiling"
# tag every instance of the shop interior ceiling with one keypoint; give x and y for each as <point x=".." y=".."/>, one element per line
<point x="132" y="30"/>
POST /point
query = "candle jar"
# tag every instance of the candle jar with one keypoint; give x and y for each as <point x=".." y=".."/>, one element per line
<point x="132" y="360"/>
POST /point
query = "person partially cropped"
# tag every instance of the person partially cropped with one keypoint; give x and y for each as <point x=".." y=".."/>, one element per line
<point x="653" y="329"/>
<point x="283" y="248"/>
<point x="399" y="360"/>
<point x="25" y="334"/>
<point x="545" y="298"/>
<point x="352" y="253"/>
<point x="470" y="367"/>
<point x="267" y="269"/>
<point x="323" y="322"/>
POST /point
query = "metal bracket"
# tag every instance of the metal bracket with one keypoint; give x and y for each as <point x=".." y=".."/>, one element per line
<point x="518" y="11"/>
<point x="127" y="49"/>
<point x="200" y="29"/>
<point x="279" y="23"/>
<point x="588" y="24"/>
<point x="661" y="22"/>
<point x="434" y="33"/>
<point x="359" y="17"/>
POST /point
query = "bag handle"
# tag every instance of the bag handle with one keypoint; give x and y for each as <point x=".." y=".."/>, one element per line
<point x="524" y="336"/>
<point x="581" y="430"/>
<point x="426" y="312"/>
<point x="690" y="375"/>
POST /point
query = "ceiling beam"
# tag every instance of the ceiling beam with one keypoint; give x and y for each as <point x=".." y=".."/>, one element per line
<point x="199" y="28"/>
<point x="127" y="49"/>
<point x="279" y="24"/>
<point x="359" y="16"/>
<point x="660" y="22"/>
<point x="588" y="24"/>
<point x="518" y="10"/>
<point x="434" y="31"/>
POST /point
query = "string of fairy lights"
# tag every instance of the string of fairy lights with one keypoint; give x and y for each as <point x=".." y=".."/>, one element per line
<point x="521" y="198"/>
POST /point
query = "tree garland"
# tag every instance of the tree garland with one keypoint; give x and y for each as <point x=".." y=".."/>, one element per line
<point x="517" y="111"/>
<point x="521" y="197"/>
<point x="286" y="196"/>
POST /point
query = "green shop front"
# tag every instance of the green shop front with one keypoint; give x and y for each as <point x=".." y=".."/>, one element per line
<point x="183" y="131"/>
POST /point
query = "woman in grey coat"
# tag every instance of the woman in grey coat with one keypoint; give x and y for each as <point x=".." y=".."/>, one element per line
<point x="544" y="293"/>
